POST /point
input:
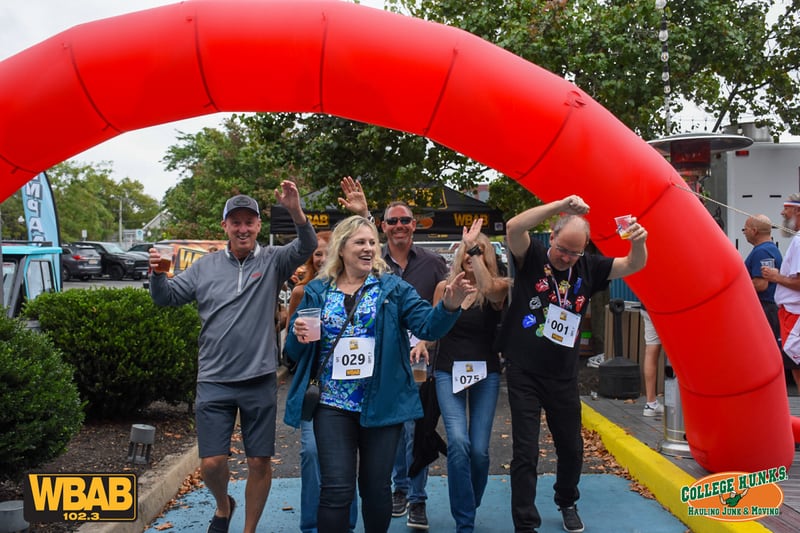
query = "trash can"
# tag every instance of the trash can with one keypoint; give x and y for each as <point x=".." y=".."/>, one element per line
<point x="619" y="377"/>
<point x="674" y="444"/>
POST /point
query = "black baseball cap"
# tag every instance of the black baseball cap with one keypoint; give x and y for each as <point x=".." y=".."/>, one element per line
<point x="240" y="201"/>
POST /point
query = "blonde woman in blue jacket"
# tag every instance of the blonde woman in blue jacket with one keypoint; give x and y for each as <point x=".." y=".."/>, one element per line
<point x="359" y="419"/>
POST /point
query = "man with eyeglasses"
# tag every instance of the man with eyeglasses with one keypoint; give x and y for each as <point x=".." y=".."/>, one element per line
<point x="551" y="293"/>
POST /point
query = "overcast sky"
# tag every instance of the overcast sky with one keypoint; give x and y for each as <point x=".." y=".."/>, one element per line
<point x="135" y="154"/>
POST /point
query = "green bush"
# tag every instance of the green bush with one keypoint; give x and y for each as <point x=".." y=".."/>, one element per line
<point x="127" y="352"/>
<point x="40" y="410"/>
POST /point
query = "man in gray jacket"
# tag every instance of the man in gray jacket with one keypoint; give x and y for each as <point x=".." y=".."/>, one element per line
<point x="236" y="293"/>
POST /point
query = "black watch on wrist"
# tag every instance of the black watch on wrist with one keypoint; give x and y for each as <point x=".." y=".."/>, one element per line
<point x="475" y="250"/>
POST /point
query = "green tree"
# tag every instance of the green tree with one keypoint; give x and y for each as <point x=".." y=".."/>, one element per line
<point x="724" y="55"/>
<point x="215" y="165"/>
<point x="87" y="198"/>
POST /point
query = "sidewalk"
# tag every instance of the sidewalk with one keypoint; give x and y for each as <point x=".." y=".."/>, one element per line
<point x="607" y="505"/>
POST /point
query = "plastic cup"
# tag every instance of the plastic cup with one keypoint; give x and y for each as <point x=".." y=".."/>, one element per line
<point x="311" y="316"/>
<point x="420" y="370"/>
<point x="166" y="252"/>
<point x="769" y="262"/>
<point x="623" y="223"/>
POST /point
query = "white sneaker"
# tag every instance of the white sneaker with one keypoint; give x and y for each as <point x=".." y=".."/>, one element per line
<point x="596" y="360"/>
<point x="653" y="410"/>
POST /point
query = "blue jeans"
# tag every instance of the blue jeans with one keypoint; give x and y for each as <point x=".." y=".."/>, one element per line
<point x="309" y="482"/>
<point x="348" y="451"/>
<point x="413" y="488"/>
<point x="467" y="442"/>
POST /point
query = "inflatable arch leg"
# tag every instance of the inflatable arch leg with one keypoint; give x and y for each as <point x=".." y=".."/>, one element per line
<point x="98" y="80"/>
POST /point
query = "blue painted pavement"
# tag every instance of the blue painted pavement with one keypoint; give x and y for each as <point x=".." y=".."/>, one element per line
<point x="607" y="505"/>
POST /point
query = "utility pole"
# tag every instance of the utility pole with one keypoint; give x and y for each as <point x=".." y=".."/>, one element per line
<point x="119" y="236"/>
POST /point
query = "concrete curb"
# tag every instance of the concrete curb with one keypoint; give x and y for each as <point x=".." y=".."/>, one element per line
<point x="158" y="486"/>
<point x="658" y="474"/>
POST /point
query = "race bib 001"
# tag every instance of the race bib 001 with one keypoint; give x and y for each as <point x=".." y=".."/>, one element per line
<point x="561" y="326"/>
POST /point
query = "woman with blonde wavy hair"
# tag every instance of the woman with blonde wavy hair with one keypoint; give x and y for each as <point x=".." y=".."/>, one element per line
<point x="367" y="389"/>
<point x="467" y="372"/>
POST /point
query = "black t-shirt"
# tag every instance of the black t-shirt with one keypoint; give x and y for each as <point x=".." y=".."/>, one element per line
<point x="425" y="269"/>
<point x="470" y="339"/>
<point x="534" y="290"/>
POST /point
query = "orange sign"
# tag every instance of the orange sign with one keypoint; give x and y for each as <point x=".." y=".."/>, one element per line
<point x="736" y="496"/>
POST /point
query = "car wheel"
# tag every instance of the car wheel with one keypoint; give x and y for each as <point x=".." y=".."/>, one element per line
<point x="65" y="274"/>
<point x="116" y="272"/>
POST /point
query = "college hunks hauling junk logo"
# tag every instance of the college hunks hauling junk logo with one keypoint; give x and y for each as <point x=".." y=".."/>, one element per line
<point x="736" y="496"/>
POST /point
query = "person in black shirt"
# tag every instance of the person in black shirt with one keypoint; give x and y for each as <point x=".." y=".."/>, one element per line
<point x="551" y="293"/>
<point x="466" y="363"/>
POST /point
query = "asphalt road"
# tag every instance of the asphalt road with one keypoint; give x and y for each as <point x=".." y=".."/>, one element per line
<point x="102" y="282"/>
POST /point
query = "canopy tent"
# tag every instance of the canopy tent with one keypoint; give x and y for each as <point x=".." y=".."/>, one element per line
<point x="444" y="217"/>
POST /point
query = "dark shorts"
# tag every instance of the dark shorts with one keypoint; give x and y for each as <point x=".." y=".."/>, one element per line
<point x="217" y="405"/>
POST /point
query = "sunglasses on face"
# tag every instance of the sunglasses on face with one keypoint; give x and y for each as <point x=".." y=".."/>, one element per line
<point x="392" y="221"/>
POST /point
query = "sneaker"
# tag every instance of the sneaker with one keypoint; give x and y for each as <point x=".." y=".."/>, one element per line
<point x="417" y="519"/>
<point x="654" y="409"/>
<point x="220" y="524"/>
<point x="572" y="522"/>
<point x="399" y="504"/>
<point x="596" y="360"/>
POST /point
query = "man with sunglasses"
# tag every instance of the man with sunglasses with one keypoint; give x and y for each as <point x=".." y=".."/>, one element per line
<point x="423" y="269"/>
<point x="551" y="293"/>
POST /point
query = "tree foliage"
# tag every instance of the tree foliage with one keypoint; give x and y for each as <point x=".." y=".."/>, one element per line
<point x="86" y="198"/>
<point x="725" y="56"/>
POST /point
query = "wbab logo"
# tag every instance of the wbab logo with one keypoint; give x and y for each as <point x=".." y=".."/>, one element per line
<point x="80" y="497"/>
<point x="736" y="496"/>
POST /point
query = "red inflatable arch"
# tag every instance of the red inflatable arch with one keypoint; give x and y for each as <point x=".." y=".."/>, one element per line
<point x="98" y="80"/>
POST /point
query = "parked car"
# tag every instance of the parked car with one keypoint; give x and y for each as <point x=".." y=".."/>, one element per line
<point x="142" y="247"/>
<point x="29" y="269"/>
<point x="117" y="263"/>
<point x="80" y="261"/>
<point x="185" y="251"/>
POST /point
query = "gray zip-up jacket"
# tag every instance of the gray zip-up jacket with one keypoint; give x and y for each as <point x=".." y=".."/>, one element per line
<point x="237" y="303"/>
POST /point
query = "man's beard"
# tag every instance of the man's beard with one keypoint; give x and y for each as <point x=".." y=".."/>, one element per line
<point x="789" y="224"/>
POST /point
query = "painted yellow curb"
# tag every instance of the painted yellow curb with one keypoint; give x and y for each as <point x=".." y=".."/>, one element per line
<point x="658" y="474"/>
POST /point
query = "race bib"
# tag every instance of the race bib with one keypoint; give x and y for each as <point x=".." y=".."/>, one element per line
<point x="467" y="373"/>
<point x="561" y="326"/>
<point x="412" y="340"/>
<point x="354" y="358"/>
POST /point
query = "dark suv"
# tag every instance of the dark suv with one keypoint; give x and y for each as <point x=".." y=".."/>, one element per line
<point x="80" y="261"/>
<point x="116" y="262"/>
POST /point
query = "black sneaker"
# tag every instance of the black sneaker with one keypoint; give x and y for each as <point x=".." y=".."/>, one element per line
<point x="399" y="504"/>
<point x="220" y="524"/>
<point x="417" y="519"/>
<point x="572" y="522"/>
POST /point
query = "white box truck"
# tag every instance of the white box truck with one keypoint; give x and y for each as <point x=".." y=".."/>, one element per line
<point x="753" y="180"/>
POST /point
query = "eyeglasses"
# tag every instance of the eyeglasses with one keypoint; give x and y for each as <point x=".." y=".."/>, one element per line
<point x="568" y="252"/>
<point x="392" y="221"/>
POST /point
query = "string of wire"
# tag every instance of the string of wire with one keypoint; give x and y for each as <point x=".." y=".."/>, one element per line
<point x="726" y="206"/>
